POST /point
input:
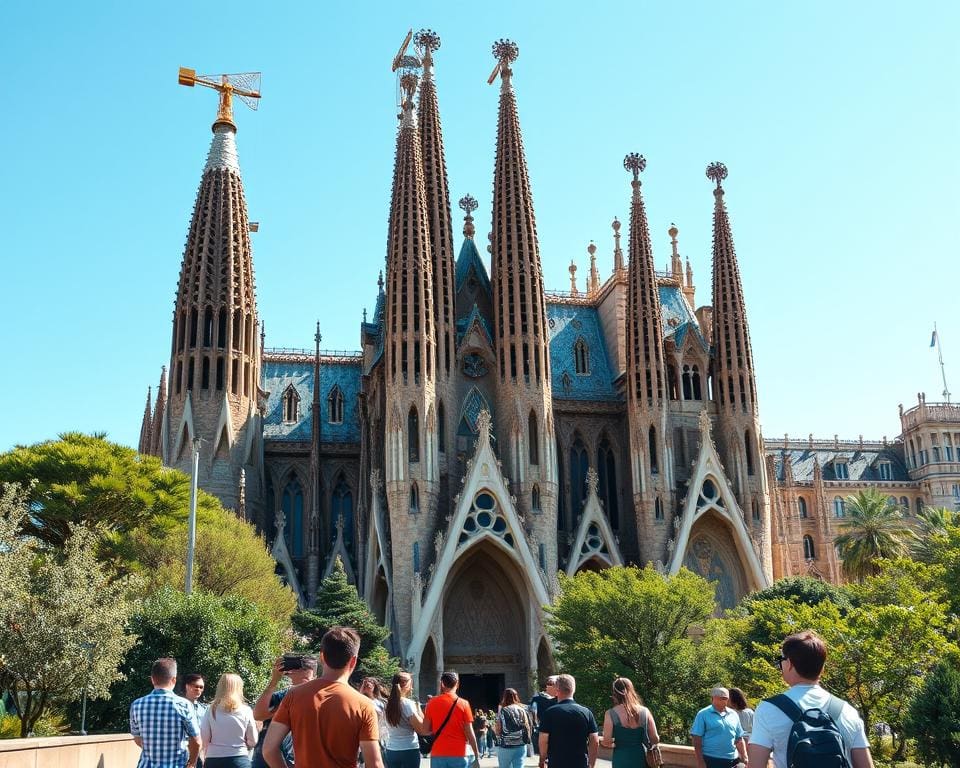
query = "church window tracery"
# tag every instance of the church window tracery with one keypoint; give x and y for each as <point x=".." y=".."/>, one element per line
<point x="485" y="516"/>
<point x="579" y="464"/>
<point x="581" y="357"/>
<point x="335" y="405"/>
<point x="809" y="552"/>
<point x="292" y="505"/>
<point x="291" y="405"/>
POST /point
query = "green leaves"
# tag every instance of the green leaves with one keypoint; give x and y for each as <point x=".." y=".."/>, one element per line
<point x="873" y="529"/>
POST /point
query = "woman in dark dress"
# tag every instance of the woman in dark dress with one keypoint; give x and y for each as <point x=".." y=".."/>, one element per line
<point x="628" y="726"/>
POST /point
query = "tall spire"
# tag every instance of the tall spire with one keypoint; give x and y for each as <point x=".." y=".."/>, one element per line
<point x="410" y="330"/>
<point x="517" y="277"/>
<point x="146" y="427"/>
<point x="438" y="206"/>
<point x="594" y="286"/>
<point x="676" y="263"/>
<point x="644" y="330"/>
<point x="733" y="362"/>
<point x="617" y="250"/>
<point x="159" y="414"/>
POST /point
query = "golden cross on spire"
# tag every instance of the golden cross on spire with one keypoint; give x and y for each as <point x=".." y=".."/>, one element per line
<point x="244" y="85"/>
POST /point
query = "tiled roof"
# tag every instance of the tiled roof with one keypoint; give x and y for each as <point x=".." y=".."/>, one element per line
<point x="464" y="325"/>
<point x="278" y="375"/>
<point x="470" y="257"/>
<point x="678" y="318"/>
<point x="863" y="464"/>
<point x="569" y="322"/>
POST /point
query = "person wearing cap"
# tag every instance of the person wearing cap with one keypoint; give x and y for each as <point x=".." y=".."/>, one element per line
<point x="717" y="734"/>
<point x="450" y="719"/>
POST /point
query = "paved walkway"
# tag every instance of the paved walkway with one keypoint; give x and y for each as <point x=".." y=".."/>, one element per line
<point x="529" y="762"/>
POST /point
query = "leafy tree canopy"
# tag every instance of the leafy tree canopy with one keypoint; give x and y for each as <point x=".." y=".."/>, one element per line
<point x="338" y="604"/>
<point x="873" y="529"/>
<point x="638" y="623"/>
<point x="933" y="719"/>
<point x="801" y="589"/>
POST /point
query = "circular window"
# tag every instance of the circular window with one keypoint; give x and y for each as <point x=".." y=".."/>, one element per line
<point x="484" y="519"/>
<point x="484" y="501"/>
<point x="709" y="490"/>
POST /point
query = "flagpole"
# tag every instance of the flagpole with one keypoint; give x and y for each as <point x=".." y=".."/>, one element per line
<point x="943" y="370"/>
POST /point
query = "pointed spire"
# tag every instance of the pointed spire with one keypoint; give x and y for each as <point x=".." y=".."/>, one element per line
<point x="146" y="426"/>
<point x="594" y="286"/>
<point x="573" y="278"/>
<point x="733" y="361"/>
<point x="438" y="205"/>
<point x="676" y="263"/>
<point x="617" y="251"/>
<point x="159" y="413"/>
<point x="517" y="276"/>
<point x="317" y="338"/>
<point x="411" y="335"/>
<point x="644" y="330"/>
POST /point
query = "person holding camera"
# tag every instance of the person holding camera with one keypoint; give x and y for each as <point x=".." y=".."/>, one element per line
<point x="299" y="668"/>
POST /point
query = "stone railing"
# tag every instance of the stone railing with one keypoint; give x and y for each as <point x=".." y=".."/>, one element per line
<point x="102" y="751"/>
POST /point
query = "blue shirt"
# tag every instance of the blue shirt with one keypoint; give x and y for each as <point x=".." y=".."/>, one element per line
<point x="164" y="721"/>
<point x="719" y="731"/>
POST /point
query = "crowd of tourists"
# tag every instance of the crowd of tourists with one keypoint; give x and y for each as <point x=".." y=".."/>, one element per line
<point x="321" y="720"/>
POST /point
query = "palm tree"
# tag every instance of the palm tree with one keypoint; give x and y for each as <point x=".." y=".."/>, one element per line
<point x="872" y="529"/>
<point x="933" y="523"/>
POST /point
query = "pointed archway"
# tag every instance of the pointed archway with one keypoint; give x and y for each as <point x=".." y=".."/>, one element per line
<point x="429" y="673"/>
<point x="595" y="546"/>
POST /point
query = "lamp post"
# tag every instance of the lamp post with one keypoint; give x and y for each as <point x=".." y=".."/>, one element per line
<point x="88" y="647"/>
<point x="192" y="521"/>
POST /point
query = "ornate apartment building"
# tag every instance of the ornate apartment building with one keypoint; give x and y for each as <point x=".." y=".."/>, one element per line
<point x="489" y="433"/>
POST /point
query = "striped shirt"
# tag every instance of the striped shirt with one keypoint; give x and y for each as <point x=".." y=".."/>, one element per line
<point x="164" y="722"/>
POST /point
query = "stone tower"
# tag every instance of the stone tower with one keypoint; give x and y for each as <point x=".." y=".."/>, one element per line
<point x="524" y="419"/>
<point x="215" y="355"/>
<point x="411" y="455"/>
<point x="646" y="381"/>
<point x="737" y="430"/>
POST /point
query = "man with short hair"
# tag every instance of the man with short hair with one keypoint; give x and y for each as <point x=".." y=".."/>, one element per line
<point x="270" y="699"/>
<point x="193" y="687"/>
<point x="164" y="725"/>
<point x="717" y="734"/>
<point x="802" y="658"/>
<point x="539" y="704"/>
<point x="329" y="720"/>
<point x="569" y="737"/>
<point x="450" y="719"/>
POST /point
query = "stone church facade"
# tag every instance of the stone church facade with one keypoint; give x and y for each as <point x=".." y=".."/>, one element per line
<point x="488" y="433"/>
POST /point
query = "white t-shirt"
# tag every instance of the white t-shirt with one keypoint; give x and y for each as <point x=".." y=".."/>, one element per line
<point x="402" y="736"/>
<point x="771" y="727"/>
<point x="228" y="734"/>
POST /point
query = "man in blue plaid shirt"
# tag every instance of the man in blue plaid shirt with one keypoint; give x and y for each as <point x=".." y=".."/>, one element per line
<point x="163" y="724"/>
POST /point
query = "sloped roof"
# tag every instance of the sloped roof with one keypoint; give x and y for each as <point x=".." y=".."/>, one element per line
<point x="278" y="375"/>
<point x="678" y="317"/>
<point x="470" y="257"/>
<point x="464" y="325"/>
<point x="862" y="464"/>
<point x="567" y="323"/>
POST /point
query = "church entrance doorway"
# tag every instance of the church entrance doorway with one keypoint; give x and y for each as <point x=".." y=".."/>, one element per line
<point x="485" y="625"/>
<point x="482" y="691"/>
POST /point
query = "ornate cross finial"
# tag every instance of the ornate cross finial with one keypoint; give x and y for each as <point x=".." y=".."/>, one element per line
<point x="468" y="204"/>
<point x="617" y="251"/>
<point x="717" y="172"/>
<point x="427" y="40"/>
<point x="635" y="163"/>
<point x="506" y="51"/>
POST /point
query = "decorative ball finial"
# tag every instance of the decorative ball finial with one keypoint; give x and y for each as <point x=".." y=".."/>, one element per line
<point x="427" y="40"/>
<point x="408" y="81"/>
<point x="673" y="231"/>
<point x="616" y="224"/>
<point x="468" y="204"/>
<point x="717" y="172"/>
<point x="591" y="249"/>
<point x="506" y="51"/>
<point x="635" y="163"/>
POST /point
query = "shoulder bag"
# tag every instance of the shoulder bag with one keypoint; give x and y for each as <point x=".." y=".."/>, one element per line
<point x="426" y="742"/>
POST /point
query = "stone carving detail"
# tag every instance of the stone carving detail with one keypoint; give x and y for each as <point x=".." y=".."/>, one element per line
<point x="474" y="366"/>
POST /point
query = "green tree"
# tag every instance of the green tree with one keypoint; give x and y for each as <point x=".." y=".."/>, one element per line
<point x="205" y="633"/>
<point x="339" y="605"/>
<point x="63" y="617"/>
<point x="637" y="622"/>
<point x="140" y="510"/>
<point x="933" y="719"/>
<point x="801" y="589"/>
<point x="872" y="529"/>
<point x="934" y="524"/>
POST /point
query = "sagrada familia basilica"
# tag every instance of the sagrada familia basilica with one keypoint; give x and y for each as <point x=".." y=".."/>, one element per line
<point x="489" y="433"/>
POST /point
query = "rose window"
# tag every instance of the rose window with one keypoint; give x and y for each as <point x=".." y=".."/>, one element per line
<point x="485" y="515"/>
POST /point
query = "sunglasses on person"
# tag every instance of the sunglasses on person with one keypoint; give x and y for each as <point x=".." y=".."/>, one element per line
<point x="779" y="661"/>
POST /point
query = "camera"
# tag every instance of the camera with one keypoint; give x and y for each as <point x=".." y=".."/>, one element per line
<point x="293" y="661"/>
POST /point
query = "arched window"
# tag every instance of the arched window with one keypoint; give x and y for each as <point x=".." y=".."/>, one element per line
<point x="919" y="506"/>
<point x="658" y="509"/>
<point x="839" y="507"/>
<point x="809" y="553"/>
<point x="208" y="327"/>
<point x="222" y="329"/>
<point x="695" y="380"/>
<point x="687" y="383"/>
<point x="237" y="329"/>
<point x="414" y="499"/>
<point x="190" y="371"/>
<point x="416" y="557"/>
<point x="182" y="337"/>
<point x="292" y="505"/>
<point x="341" y="509"/>
<point x="335" y="405"/>
<point x="905" y="504"/>
<point x="413" y="436"/>
<point x="291" y="405"/>
<point x="533" y="438"/>
<point x="672" y="386"/>
<point x="756" y="510"/>
<point x="748" y="448"/>
<point x="581" y="357"/>
<point x="891" y="501"/>
<point x="535" y="499"/>
<point x="654" y="463"/>
<point x="579" y="464"/>
<point x="607" y="485"/>
<point x="561" y="496"/>
<point x="205" y="374"/>
<point x="441" y="427"/>
<point x="193" y="328"/>
<point x="220" y="371"/>
<point x="802" y="507"/>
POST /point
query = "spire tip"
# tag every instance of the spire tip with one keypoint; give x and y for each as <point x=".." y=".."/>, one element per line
<point x="635" y="163"/>
<point x="717" y="172"/>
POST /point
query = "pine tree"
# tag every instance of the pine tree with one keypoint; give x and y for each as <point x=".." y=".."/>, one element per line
<point x="339" y="605"/>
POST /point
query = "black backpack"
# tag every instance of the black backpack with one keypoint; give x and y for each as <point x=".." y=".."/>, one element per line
<point x="815" y="740"/>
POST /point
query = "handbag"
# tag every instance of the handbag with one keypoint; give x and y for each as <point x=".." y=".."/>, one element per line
<point x="426" y="742"/>
<point x="651" y="751"/>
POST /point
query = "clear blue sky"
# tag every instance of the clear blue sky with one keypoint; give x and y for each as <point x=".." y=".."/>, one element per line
<point x="839" y="123"/>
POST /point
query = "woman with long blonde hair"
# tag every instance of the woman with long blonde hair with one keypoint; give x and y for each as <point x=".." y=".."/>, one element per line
<point x="628" y="726"/>
<point x="228" y="729"/>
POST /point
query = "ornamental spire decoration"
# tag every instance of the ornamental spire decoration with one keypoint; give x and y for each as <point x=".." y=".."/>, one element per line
<point x="644" y="330"/>
<point x="735" y="382"/>
<point x="437" y="191"/>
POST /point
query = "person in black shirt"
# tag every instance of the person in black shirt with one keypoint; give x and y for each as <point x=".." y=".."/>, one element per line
<point x="540" y="704"/>
<point x="569" y="735"/>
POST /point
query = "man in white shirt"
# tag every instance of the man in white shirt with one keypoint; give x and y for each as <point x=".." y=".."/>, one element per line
<point x="801" y="662"/>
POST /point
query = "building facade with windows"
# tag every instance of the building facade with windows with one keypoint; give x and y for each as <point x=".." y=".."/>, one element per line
<point x="489" y="434"/>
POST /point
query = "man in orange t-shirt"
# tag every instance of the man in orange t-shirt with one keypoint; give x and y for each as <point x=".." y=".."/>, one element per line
<point x="330" y="721"/>
<point x="450" y="746"/>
